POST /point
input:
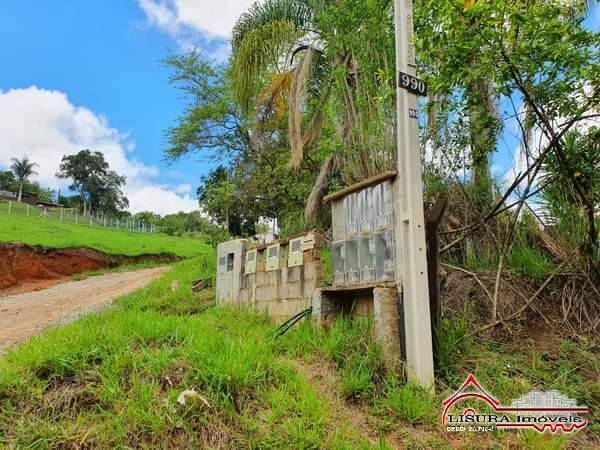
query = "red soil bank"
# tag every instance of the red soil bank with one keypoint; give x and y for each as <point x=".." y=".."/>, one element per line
<point x="20" y="262"/>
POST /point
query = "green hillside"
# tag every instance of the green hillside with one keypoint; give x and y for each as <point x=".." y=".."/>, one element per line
<point x="55" y="234"/>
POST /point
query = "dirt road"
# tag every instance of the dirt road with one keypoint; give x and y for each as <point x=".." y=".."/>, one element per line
<point x="25" y="315"/>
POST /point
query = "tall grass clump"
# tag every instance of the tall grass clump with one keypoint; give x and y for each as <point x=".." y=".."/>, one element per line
<point x="406" y="401"/>
<point x="452" y="346"/>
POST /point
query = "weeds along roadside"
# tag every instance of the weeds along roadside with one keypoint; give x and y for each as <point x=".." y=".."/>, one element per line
<point x="113" y="379"/>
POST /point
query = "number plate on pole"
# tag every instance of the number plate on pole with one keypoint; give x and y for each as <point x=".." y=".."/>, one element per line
<point x="412" y="84"/>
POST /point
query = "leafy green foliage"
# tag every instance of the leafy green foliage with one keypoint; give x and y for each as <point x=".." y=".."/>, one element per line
<point x="211" y="123"/>
<point x="570" y="191"/>
<point x="98" y="186"/>
<point x="452" y="346"/>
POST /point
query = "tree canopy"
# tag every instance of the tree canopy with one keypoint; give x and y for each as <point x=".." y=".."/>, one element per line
<point x="97" y="185"/>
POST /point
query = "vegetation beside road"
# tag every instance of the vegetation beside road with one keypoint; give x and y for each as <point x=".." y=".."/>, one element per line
<point x="56" y="234"/>
<point x="113" y="379"/>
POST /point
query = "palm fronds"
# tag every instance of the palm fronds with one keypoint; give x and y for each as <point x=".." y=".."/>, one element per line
<point x="272" y="100"/>
<point x="298" y="13"/>
<point x="23" y="168"/>
<point x="259" y="49"/>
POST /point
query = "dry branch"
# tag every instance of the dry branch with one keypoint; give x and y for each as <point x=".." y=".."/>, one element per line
<point x="527" y="303"/>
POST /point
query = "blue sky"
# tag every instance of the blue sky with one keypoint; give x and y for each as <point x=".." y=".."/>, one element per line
<point x="86" y="74"/>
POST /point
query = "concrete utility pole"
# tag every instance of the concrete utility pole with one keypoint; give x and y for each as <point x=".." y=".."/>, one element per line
<point x="411" y="255"/>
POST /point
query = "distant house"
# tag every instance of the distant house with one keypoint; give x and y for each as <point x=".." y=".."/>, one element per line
<point x="8" y="194"/>
<point x="26" y="197"/>
<point x="29" y="198"/>
<point x="48" y="204"/>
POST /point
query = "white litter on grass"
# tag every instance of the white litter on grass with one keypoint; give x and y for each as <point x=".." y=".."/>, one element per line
<point x="191" y="394"/>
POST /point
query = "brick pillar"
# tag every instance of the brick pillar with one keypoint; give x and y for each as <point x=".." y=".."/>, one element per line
<point x="386" y="326"/>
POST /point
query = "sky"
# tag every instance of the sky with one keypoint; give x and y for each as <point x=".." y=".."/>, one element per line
<point x="87" y="74"/>
<point x="77" y="75"/>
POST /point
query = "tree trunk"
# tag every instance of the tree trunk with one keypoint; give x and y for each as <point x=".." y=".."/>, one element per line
<point x="483" y="123"/>
<point x="20" y="197"/>
<point x="483" y="118"/>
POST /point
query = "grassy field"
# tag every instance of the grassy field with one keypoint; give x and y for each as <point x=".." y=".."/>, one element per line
<point x="55" y="234"/>
<point x="112" y="380"/>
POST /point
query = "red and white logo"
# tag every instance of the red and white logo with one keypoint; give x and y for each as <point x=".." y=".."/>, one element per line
<point x="540" y="410"/>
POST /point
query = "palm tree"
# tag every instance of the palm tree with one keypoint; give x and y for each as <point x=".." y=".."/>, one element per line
<point x="284" y="58"/>
<point x="22" y="169"/>
<point x="277" y="41"/>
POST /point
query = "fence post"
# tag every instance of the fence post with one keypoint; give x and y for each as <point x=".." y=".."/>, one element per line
<point x="61" y="214"/>
<point x="9" y="205"/>
<point x="28" y="210"/>
<point x="76" y="218"/>
<point x="433" y="218"/>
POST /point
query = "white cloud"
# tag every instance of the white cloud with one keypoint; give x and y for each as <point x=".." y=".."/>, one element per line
<point x="205" y="24"/>
<point x="158" y="199"/>
<point x="183" y="188"/>
<point x="45" y="125"/>
<point x="212" y="18"/>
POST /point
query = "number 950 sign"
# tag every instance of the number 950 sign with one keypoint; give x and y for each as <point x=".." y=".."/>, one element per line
<point x="412" y="84"/>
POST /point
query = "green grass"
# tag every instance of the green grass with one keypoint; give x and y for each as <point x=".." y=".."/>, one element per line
<point x="111" y="380"/>
<point x="327" y="261"/>
<point x="530" y="261"/>
<point x="55" y="234"/>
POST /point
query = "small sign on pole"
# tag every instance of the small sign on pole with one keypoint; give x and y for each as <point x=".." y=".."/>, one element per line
<point x="411" y="259"/>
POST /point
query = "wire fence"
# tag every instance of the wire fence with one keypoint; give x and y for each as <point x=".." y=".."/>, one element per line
<point x="74" y="216"/>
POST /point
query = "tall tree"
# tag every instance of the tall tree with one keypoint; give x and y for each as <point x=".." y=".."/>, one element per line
<point x="212" y="123"/>
<point x="22" y="169"/>
<point x="93" y="180"/>
<point x="329" y="62"/>
<point x="110" y="198"/>
<point x="7" y="180"/>
<point x="538" y="58"/>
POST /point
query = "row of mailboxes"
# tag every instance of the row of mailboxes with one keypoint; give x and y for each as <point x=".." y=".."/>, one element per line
<point x="368" y="211"/>
<point x="363" y="260"/>
<point x="278" y="256"/>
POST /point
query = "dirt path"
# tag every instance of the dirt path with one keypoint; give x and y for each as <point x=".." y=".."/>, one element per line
<point x="322" y="376"/>
<point x="25" y="315"/>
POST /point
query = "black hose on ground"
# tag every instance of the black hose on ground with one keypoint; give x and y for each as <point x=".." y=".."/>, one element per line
<point x="288" y="324"/>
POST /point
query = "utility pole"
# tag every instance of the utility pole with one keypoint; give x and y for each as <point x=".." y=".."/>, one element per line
<point x="411" y="255"/>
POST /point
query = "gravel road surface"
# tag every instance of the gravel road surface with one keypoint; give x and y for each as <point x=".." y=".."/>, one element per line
<point x="26" y="315"/>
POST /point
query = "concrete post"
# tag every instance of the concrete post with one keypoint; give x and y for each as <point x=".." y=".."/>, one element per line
<point x="386" y="326"/>
<point x="325" y="309"/>
<point x="411" y="260"/>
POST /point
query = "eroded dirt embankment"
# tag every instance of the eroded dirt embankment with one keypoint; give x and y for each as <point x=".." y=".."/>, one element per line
<point x="21" y="263"/>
